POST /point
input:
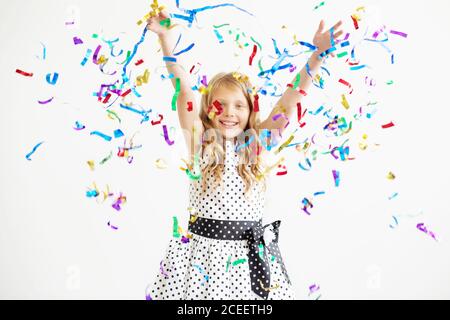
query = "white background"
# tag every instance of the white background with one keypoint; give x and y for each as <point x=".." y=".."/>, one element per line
<point x="55" y="242"/>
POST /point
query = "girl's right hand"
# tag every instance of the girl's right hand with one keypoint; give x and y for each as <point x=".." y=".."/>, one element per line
<point x="154" y="23"/>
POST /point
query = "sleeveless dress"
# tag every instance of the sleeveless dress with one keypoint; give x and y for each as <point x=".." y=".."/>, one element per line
<point x="210" y="269"/>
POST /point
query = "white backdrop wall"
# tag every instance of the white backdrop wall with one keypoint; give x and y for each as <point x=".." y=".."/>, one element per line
<point x="56" y="243"/>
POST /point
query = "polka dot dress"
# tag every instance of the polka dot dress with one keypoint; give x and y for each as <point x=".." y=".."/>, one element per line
<point x="206" y="268"/>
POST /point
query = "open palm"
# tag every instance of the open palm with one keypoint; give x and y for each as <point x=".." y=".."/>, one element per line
<point x="322" y="39"/>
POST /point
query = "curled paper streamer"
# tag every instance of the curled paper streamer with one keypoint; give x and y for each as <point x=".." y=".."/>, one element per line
<point x="166" y="136"/>
<point x="79" y="126"/>
<point x="202" y="272"/>
<point x="46" y="101"/>
<point x="102" y="135"/>
<point x="28" y="156"/>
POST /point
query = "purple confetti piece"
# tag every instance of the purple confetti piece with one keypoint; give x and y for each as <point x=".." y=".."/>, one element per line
<point x="77" y="40"/>
<point x="399" y="33"/>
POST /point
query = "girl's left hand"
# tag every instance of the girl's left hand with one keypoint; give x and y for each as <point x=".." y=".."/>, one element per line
<point x="322" y="40"/>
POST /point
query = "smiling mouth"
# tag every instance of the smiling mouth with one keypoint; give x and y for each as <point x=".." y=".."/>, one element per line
<point x="228" y="124"/>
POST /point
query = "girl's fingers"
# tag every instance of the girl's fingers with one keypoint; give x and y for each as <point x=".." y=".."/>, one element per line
<point x="321" y="26"/>
<point x="338" y="34"/>
<point x="337" y="25"/>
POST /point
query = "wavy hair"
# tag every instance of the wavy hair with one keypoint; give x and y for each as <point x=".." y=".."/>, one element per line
<point x="250" y="167"/>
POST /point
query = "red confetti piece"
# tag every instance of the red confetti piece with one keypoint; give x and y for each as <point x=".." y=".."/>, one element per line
<point x="345" y="83"/>
<point x="282" y="173"/>
<point x="140" y="61"/>
<point x="355" y="23"/>
<point x="190" y="106"/>
<point x="190" y="71"/>
<point x="253" y="54"/>
<point x="387" y="125"/>
<point x="107" y="98"/>
<point x="161" y="117"/>
<point x="26" y="74"/>
<point x="218" y="106"/>
<point x="256" y="103"/>
<point x="125" y="93"/>
<point x="300" y="114"/>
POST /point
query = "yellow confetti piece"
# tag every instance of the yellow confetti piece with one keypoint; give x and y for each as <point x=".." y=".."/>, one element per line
<point x="203" y="90"/>
<point x="345" y="102"/>
<point x="143" y="79"/>
<point x="102" y="60"/>
<point x="91" y="164"/>
<point x="363" y="146"/>
<point x="390" y="176"/>
<point x="268" y="169"/>
<point x="155" y="10"/>
<point x="160" y="164"/>
<point x="364" y="136"/>
<point x="269" y="288"/>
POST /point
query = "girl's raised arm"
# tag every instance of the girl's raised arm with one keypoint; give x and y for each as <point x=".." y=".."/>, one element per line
<point x="287" y="104"/>
<point x="186" y="104"/>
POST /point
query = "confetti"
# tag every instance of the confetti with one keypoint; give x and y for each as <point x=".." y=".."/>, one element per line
<point x="120" y="200"/>
<point x="118" y="133"/>
<point x="77" y="40"/>
<point x="393" y="196"/>
<point x="256" y="103"/>
<point x="86" y="57"/>
<point x="163" y="272"/>
<point x="336" y="177"/>
<point x="184" y="50"/>
<point x="112" y="227"/>
<point x="102" y="135"/>
<point x="26" y="74"/>
<point x="166" y="136"/>
<point x="200" y="269"/>
<point x="176" y="94"/>
<point x="319" y="5"/>
<point x="161" y="117"/>
<point x="399" y="33"/>
<point x="79" y="126"/>
<point x="28" y="156"/>
<point x="390" y="176"/>
<point x="276" y="286"/>
<point x="421" y="227"/>
<point x="388" y="125"/>
<point x="148" y="297"/>
<point x="253" y="54"/>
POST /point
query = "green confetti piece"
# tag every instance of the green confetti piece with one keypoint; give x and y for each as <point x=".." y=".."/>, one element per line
<point x="165" y="22"/>
<point x="114" y="114"/>
<point x="296" y="82"/>
<point x="239" y="262"/>
<point x="257" y="43"/>
<point x="107" y="158"/>
<point x="261" y="251"/>
<point x="175" y="228"/>
<point x="220" y="26"/>
<point x="228" y="263"/>
<point x="390" y="82"/>
<point x="94" y="35"/>
<point x="342" y="54"/>
<point x="176" y="94"/>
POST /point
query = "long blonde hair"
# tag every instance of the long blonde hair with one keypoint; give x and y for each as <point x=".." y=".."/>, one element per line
<point x="214" y="151"/>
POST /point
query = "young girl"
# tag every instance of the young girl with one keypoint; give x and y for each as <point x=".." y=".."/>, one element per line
<point x="230" y="254"/>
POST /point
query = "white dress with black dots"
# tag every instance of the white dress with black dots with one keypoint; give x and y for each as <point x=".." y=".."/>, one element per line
<point x="210" y="269"/>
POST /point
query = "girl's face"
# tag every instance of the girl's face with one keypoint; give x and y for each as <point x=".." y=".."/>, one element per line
<point x="236" y="111"/>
